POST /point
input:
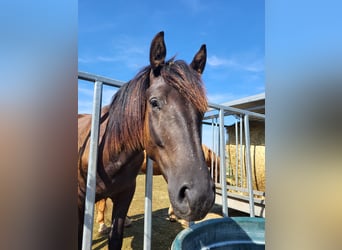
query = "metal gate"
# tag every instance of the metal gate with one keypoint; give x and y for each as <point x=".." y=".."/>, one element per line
<point x="216" y="117"/>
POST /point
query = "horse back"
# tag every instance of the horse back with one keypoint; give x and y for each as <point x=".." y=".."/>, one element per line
<point x="84" y="131"/>
<point x="84" y="126"/>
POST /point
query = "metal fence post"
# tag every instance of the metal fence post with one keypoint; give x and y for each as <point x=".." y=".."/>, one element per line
<point x="148" y="205"/>
<point x="236" y="152"/>
<point x="241" y="153"/>
<point x="91" y="177"/>
<point x="213" y="147"/>
<point x="223" y="165"/>
<point x="249" y="168"/>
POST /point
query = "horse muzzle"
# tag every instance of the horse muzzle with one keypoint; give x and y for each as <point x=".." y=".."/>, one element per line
<point x="192" y="200"/>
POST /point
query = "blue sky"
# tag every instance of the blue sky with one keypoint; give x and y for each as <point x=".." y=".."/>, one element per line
<point x="114" y="39"/>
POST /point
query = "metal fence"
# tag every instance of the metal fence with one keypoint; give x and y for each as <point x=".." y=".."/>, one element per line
<point x="235" y="179"/>
<point x="217" y="118"/>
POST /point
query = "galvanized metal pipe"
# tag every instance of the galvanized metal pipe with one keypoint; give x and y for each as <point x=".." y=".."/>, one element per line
<point x="216" y="159"/>
<point x="217" y="150"/>
<point x="229" y="167"/>
<point x="213" y="147"/>
<point x="223" y="165"/>
<point x="231" y="111"/>
<point x="92" y="164"/>
<point x="241" y="154"/>
<point x="249" y="168"/>
<point x="236" y="152"/>
<point x="93" y="78"/>
<point x="148" y="205"/>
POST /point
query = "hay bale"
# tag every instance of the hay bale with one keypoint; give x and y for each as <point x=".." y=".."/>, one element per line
<point x="257" y="151"/>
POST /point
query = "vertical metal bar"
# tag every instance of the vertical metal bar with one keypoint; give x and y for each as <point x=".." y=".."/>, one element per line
<point x="228" y="170"/>
<point x="249" y="167"/>
<point x="241" y="154"/>
<point x="223" y="165"/>
<point x="148" y="205"/>
<point x="212" y="133"/>
<point x="236" y="152"/>
<point x="212" y="170"/>
<point x="91" y="177"/>
<point x="216" y="150"/>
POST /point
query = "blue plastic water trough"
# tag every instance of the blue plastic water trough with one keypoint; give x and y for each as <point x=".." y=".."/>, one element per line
<point x="224" y="233"/>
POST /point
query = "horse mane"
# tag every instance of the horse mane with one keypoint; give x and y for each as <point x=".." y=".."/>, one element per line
<point x="127" y="109"/>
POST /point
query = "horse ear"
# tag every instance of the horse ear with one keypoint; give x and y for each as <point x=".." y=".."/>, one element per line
<point x="157" y="51"/>
<point x="198" y="63"/>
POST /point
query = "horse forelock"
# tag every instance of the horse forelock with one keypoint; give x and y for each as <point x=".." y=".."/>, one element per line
<point x="187" y="81"/>
<point x="128" y="106"/>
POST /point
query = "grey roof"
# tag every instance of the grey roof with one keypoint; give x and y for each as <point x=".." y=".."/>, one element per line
<point x="255" y="103"/>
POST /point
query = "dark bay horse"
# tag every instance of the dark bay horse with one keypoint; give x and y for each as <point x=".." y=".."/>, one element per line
<point x="160" y="110"/>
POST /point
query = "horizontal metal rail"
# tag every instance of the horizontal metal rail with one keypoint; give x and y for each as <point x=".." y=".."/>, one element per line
<point x="93" y="78"/>
<point x="232" y="111"/>
<point x="241" y="189"/>
<point x="240" y="196"/>
<point x="210" y="123"/>
<point x="116" y="83"/>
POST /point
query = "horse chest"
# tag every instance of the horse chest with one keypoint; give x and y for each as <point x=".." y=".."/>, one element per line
<point x="117" y="175"/>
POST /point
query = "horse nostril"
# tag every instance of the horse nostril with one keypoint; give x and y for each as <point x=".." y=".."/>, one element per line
<point x="182" y="194"/>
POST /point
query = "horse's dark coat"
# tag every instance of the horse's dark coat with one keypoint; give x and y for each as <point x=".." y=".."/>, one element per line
<point x="160" y="111"/>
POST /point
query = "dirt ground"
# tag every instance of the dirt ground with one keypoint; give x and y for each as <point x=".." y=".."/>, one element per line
<point x="163" y="231"/>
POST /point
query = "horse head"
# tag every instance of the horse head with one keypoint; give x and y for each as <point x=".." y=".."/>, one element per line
<point x="175" y="105"/>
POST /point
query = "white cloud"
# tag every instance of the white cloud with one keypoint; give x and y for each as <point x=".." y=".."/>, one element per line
<point x="221" y="97"/>
<point x="216" y="61"/>
<point x="106" y="59"/>
<point x="256" y="65"/>
<point x="88" y="91"/>
<point x="124" y="52"/>
<point x="84" y="60"/>
<point x="97" y="59"/>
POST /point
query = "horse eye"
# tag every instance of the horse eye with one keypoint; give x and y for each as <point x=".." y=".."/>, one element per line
<point x="154" y="103"/>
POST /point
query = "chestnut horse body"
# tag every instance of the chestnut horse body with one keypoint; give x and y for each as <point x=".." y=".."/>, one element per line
<point x="160" y="110"/>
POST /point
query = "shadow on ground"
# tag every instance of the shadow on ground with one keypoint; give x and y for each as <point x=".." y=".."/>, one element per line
<point x="163" y="231"/>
